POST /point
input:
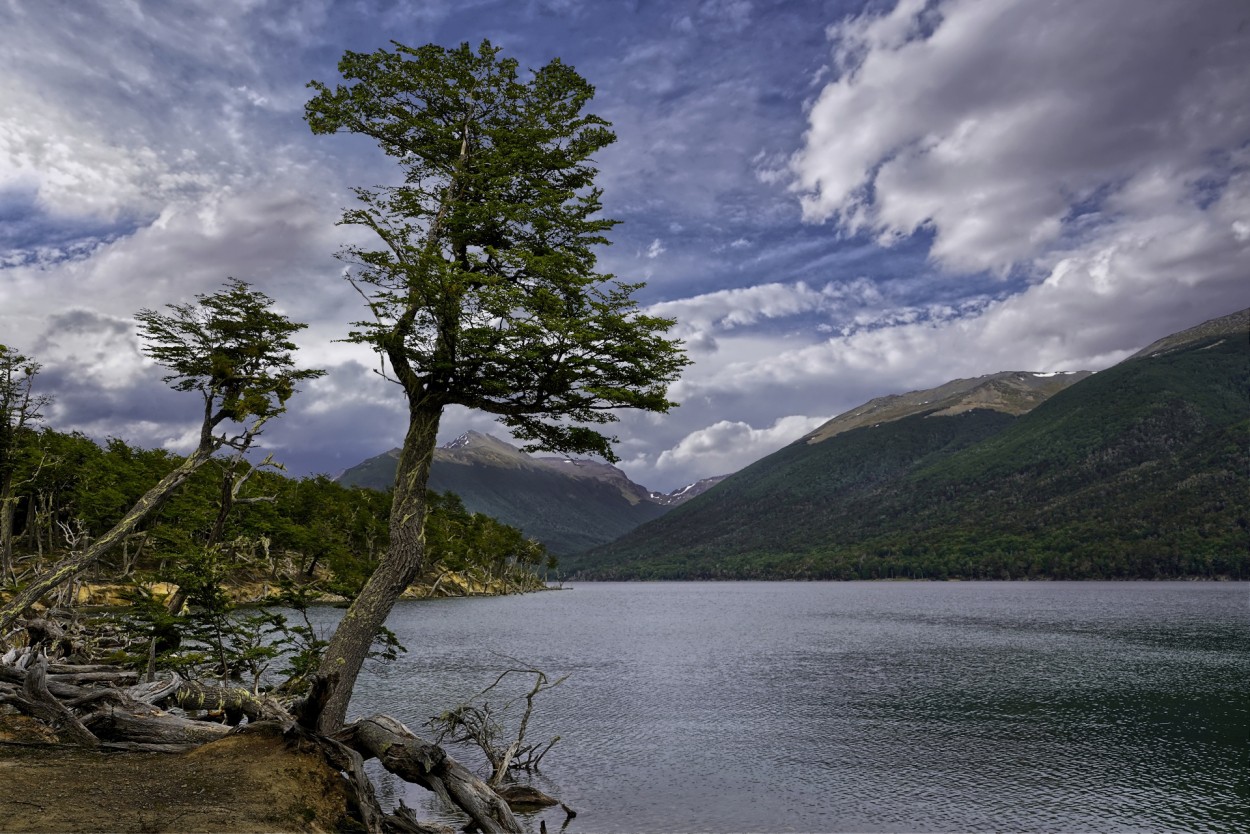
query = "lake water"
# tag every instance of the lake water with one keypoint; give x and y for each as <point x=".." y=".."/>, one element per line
<point x="775" y="707"/>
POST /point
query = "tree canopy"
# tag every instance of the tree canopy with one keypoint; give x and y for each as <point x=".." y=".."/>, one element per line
<point x="482" y="284"/>
<point x="233" y="349"/>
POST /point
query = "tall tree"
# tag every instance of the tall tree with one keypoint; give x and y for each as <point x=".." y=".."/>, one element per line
<point x="481" y="280"/>
<point x="20" y="408"/>
<point x="236" y="353"/>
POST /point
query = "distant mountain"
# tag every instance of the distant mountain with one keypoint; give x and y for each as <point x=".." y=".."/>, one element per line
<point x="1141" y="470"/>
<point x="689" y="491"/>
<point x="568" y="504"/>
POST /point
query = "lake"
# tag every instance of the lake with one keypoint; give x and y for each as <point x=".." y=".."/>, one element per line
<point x="916" y="706"/>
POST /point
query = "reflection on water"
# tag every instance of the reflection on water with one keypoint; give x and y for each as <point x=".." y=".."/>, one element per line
<point x="857" y="706"/>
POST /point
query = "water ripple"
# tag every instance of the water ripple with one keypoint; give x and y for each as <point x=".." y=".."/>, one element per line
<point x="861" y="706"/>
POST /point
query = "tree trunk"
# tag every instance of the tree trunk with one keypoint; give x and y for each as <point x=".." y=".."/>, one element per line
<point x="77" y="562"/>
<point x="414" y="760"/>
<point x="396" y="571"/>
<point x="142" y="724"/>
<point x="8" y="503"/>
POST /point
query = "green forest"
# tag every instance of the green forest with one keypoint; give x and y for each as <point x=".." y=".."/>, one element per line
<point x="68" y="490"/>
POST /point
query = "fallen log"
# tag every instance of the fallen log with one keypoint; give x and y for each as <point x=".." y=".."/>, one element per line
<point x="78" y="668"/>
<point x="234" y="702"/>
<point x="79" y="678"/>
<point x="415" y="760"/>
<point x="13" y="674"/>
<point x="404" y="821"/>
<point x="154" y="692"/>
<point x="139" y="723"/>
<point x="37" y="702"/>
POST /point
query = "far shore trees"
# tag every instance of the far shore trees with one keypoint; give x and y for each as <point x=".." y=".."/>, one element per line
<point x="236" y="353"/>
<point x="480" y="281"/>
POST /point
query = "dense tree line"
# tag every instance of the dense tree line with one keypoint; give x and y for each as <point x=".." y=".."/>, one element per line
<point x="70" y="490"/>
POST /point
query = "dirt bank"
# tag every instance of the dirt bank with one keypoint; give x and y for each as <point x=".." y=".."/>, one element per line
<point x="248" y="782"/>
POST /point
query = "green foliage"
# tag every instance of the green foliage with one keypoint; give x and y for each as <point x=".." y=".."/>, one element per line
<point x="1136" y="472"/>
<point x="232" y="348"/>
<point x="20" y="407"/>
<point x="313" y="531"/>
<point x="483" y="287"/>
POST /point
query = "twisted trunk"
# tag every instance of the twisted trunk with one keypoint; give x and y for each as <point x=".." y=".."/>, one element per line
<point x="396" y="571"/>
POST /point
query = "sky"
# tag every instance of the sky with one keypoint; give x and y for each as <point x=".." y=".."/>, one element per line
<point x="835" y="200"/>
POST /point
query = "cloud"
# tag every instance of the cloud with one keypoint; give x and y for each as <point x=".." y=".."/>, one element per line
<point x="1057" y="184"/>
<point x="1099" y="302"/>
<point x="112" y="112"/>
<point x="700" y="316"/>
<point x="999" y="126"/>
<point x="727" y="446"/>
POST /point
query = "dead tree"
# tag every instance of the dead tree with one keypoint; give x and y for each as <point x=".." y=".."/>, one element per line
<point x="478" y="723"/>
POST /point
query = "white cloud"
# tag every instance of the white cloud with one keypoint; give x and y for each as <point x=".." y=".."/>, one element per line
<point x="1095" y="151"/>
<point x="729" y="309"/>
<point x="727" y="446"/>
<point x="102" y="350"/>
<point x="1098" y="303"/>
<point x="1009" y="114"/>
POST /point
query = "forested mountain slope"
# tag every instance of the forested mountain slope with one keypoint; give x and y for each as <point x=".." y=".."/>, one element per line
<point x="1137" y="471"/>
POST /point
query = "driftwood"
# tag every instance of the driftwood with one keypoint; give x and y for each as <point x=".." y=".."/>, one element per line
<point x="144" y="724"/>
<point x="411" y="758"/>
<point x="404" y="821"/>
<point x="38" y="702"/>
<point x="526" y="798"/>
<point x="232" y="701"/>
<point x="101" y="706"/>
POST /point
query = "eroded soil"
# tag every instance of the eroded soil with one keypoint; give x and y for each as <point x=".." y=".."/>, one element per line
<point x="244" y="783"/>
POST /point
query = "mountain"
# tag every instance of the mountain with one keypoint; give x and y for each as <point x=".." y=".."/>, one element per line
<point x="689" y="491"/>
<point x="1140" y="470"/>
<point x="568" y="504"/>
<point x="1011" y="392"/>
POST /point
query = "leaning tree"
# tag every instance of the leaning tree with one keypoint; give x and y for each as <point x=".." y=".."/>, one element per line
<point x="236" y="353"/>
<point x="481" y="279"/>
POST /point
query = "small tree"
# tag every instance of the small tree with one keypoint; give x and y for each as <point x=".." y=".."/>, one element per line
<point x="481" y="284"/>
<point x="20" y="409"/>
<point x="236" y="353"/>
